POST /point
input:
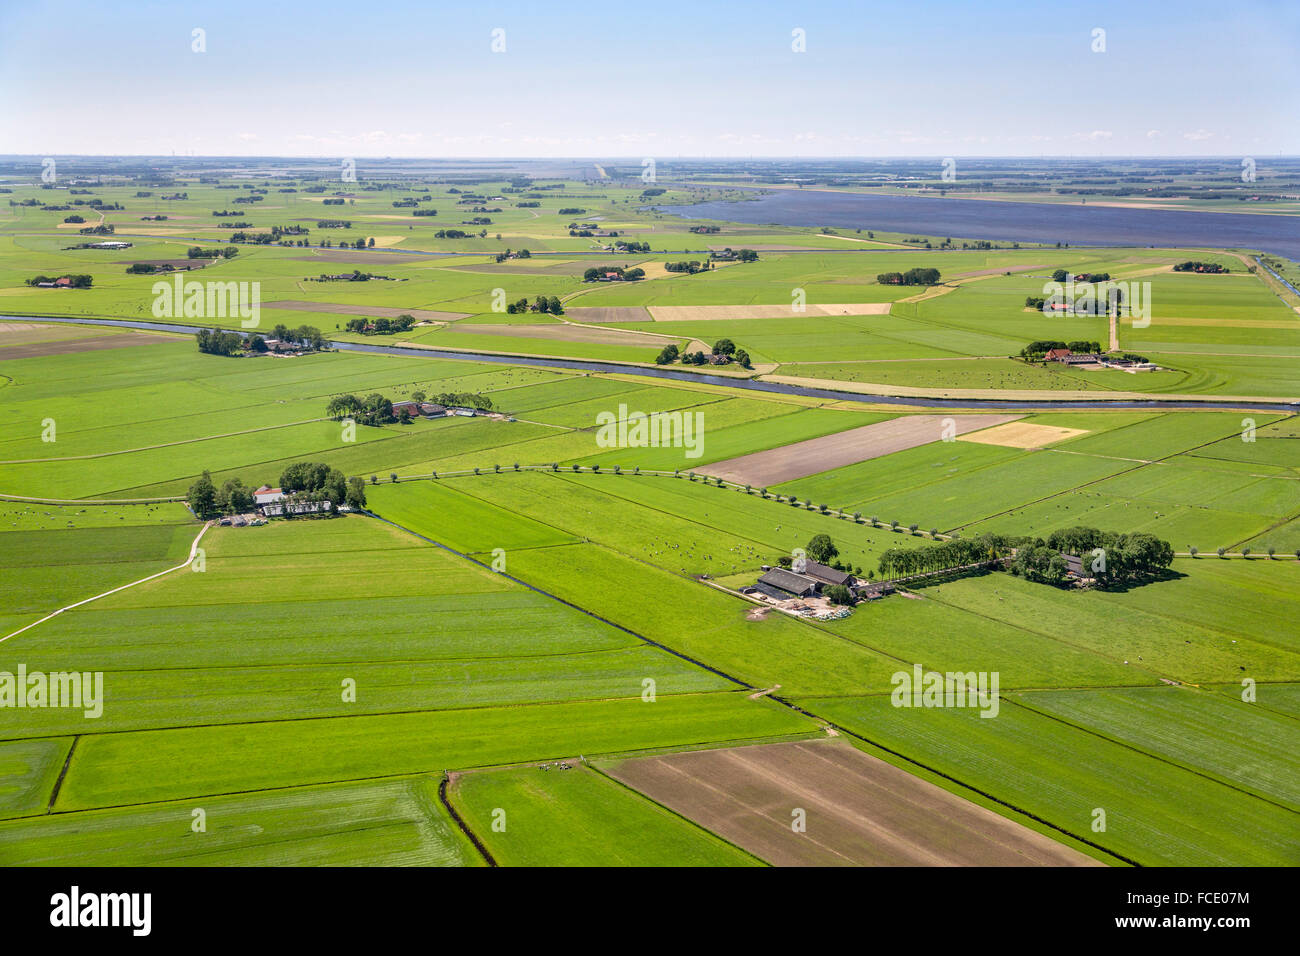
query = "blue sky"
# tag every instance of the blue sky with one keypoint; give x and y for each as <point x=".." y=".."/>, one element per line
<point x="986" y="78"/>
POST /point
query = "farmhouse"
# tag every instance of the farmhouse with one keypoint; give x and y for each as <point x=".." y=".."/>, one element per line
<point x="432" y="410"/>
<point x="267" y="495"/>
<point x="874" y="591"/>
<point x="411" y="408"/>
<point x="1056" y="355"/>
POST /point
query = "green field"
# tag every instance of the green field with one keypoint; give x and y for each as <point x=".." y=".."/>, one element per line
<point x="580" y="817"/>
<point x="518" y="589"/>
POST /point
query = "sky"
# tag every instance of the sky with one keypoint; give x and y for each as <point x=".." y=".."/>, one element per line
<point x="641" y="79"/>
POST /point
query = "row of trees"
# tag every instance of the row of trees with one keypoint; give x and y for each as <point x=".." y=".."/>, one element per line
<point x="1211" y="267"/>
<point x="945" y="556"/>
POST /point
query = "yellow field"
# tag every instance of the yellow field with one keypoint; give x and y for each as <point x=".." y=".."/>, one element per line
<point x="1022" y="435"/>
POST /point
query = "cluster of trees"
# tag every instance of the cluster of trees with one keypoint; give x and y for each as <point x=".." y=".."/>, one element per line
<point x="1213" y="267"/>
<point x="76" y="281"/>
<point x="374" y="409"/>
<point x="722" y="347"/>
<point x="333" y="224"/>
<point x="147" y="268"/>
<point x="381" y="325"/>
<point x="508" y="254"/>
<point x="946" y="556"/>
<point x="727" y="254"/>
<point x="1062" y="275"/>
<point x="691" y="267"/>
<point x="208" y="501"/>
<point x="653" y="191"/>
<point x="917" y="276"/>
<point x="451" y="234"/>
<point x="706" y="230"/>
<point x="424" y="212"/>
<point x="1036" y="350"/>
<point x="1111" y="557"/>
<point x="103" y="230"/>
<point x="728" y="348"/>
<point x="571" y="211"/>
<point x="550" y="304"/>
<point x="630" y="245"/>
<point x="198" y="252"/>
<point x="219" y="342"/>
<point x="306" y="336"/>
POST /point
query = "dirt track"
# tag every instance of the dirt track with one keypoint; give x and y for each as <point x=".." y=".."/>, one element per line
<point x="811" y="457"/>
<point x="860" y="811"/>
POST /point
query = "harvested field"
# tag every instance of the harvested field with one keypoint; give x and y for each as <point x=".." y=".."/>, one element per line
<point x="21" y="333"/>
<point x="90" y="343"/>
<point x="816" y="455"/>
<point x="608" y="315"/>
<point x="702" y="313"/>
<point x="570" y="333"/>
<point x="301" y="305"/>
<point x="1023" y="435"/>
<point x="860" y="811"/>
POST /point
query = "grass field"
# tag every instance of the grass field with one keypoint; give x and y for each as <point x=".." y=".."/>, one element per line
<point x="311" y="682"/>
<point x="578" y="817"/>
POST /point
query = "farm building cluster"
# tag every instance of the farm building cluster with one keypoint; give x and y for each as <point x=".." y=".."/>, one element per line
<point x="1094" y="360"/>
<point x="800" y="589"/>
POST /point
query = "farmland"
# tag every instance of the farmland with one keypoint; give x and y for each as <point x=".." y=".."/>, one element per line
<point x="526" y="584"/>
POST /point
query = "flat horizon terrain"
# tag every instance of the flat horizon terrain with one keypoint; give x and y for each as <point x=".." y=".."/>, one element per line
<point x="513" y="615"/>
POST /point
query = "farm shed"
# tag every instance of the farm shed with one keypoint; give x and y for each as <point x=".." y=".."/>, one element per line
<point x="788" y="583"/>
<point x="826" y="575"/>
